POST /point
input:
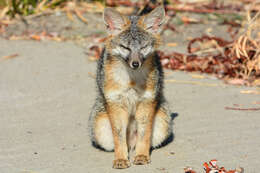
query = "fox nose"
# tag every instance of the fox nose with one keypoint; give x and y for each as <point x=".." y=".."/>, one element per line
<point x="135" y="64"/>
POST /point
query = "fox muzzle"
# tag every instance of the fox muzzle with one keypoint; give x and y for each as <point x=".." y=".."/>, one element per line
<point x="135" y="65"/>
<point x="135" y="61"/>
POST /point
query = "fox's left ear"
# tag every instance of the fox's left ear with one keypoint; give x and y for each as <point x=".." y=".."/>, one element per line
<point x="153" y="21"/>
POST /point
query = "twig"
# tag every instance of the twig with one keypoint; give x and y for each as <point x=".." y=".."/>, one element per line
<point x="242" y="109"/>
<point x="80" y="16"/>
<point x="8" y="57"/>
<point x="92" y="75"/>
<point x="195" y="10"/>
<point x="173" y="8"/>
<point x="192" y="83"/>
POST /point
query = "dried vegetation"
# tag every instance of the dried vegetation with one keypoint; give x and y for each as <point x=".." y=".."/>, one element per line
<point x="236" y="61"/>
<point x="212" y="167"/>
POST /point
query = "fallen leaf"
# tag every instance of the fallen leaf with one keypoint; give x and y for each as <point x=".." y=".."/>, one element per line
<point x="161" y="169"/>
<point x="256" y="82"/>
<point x="35" y="37"/>
<point x="70" y="16"/>
<point x="188" y="20"/>
<point x="81" y="17"/>
<point x="172" y="44"/>
<point x="8" y="57"/>
<point x="92" y="58"/>
<point x="4" y="12"/>
<point x="189" y="170"/>
<point x="242" y="109"/>
<point x="196" y="76"/>
<point x="192" y="83"/>
<point x="209" y="30"/>
<point x="237" y="81"/>
<point x="250" y="92"/>
<point x="172" y="153"/>
<point x="237" y="105"/>
<point x="256" y="103"/>
<point x="14" y="37"/>
<point x="92" y="75"/>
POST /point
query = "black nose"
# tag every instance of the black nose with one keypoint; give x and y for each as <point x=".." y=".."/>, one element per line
<point x="135" y="64"/>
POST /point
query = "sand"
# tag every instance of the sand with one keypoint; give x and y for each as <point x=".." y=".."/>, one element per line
<point x="46" y="94"/>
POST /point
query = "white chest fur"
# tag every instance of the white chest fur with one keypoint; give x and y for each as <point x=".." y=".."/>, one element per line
<point x="129" y="95"/>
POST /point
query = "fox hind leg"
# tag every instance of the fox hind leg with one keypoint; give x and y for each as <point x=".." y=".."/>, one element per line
<point x="162" y="127"/>
<point x="102" y="133"/>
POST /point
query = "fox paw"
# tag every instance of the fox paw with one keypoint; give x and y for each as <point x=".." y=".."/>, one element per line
<point x="141" y="160"/>
<point x="121" y="164"/>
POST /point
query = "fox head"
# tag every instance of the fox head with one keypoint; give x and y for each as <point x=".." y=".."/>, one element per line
<point x="133" y="39"/>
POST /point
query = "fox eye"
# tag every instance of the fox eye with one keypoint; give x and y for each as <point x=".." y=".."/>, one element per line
<point x="124" y="47"/>
<point x="145" y="46"/>
<point x="146" y="49"/>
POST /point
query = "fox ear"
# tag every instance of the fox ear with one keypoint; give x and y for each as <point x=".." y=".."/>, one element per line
<point x="154" y="20"/>
<point x="113" y="20"/>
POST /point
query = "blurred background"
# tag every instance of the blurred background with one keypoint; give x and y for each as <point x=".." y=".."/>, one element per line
<point x="219" y="37"/>
<point x="48" y="55"/>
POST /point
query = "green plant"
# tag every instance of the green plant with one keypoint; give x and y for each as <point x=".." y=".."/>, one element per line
<point x="27" y="7"/>
<point x="2" y="3"/>
<point x="22" y="7"/>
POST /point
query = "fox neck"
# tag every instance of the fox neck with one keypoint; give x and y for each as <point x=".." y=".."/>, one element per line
<point x="128" y="86"/>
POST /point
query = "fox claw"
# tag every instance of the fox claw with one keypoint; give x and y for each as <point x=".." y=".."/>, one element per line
<point x="141" y="160"/>
<point x="121" y="164"/>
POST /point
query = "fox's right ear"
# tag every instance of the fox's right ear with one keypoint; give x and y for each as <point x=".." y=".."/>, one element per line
<point x="114" y="20"/>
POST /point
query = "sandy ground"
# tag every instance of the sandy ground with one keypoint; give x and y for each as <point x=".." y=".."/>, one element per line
<point x="46" y="94"/>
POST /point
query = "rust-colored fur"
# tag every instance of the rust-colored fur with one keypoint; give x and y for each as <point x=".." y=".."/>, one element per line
<point x="130" y="110"/>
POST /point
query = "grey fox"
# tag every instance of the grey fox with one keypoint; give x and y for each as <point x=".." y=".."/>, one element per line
<point x="130" y="111"/>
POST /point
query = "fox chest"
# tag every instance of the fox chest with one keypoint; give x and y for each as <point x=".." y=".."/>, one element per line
<point x="128" y="87"/>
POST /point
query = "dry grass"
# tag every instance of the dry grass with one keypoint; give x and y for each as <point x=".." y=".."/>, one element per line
<point x="247" y="46"/>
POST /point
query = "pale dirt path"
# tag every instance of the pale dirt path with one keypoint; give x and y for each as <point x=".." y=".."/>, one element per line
<point x="46" y="95"/>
